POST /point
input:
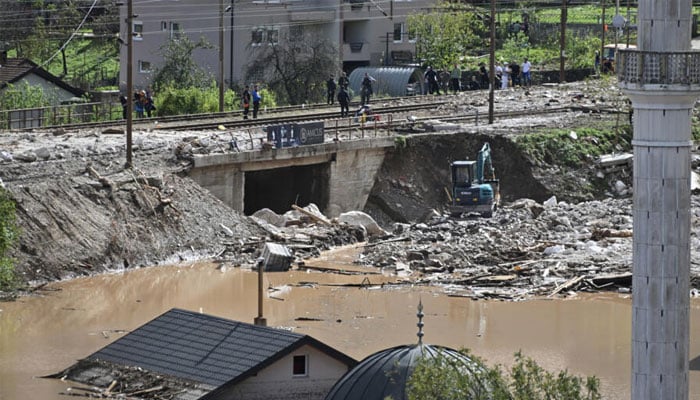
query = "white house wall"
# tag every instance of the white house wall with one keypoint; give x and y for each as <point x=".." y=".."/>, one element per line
<point x="277" y="383"/>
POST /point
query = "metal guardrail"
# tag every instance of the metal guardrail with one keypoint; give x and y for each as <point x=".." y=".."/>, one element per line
<point x="638" y="68"/>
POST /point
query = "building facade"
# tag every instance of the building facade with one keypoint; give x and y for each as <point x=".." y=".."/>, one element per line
<point x="365" y="33"/>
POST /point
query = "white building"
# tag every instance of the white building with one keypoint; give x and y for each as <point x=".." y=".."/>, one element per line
<point x="366" y="33"/>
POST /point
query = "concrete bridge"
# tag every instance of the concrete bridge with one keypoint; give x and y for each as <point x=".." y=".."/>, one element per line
<point x="336" y="176"/>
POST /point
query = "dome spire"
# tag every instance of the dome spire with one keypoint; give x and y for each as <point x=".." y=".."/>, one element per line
<point x="420" y="321"/>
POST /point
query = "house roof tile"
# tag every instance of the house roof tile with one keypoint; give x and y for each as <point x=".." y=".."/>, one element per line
<point x="206" y="349"/>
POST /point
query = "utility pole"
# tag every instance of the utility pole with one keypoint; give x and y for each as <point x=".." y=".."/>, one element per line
<point x="562" y="43"/>
<point x="129" y="80"/>
<point x="231" y="46"/>
<point x="603" y="29"/>
<point x="221" y="55"/>
<point x="492" y="59"/>
<point x="663" y="91"/>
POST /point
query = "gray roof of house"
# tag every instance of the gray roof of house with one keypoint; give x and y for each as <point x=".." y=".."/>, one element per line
<point x="385" y="374"/>
<point x="15" y="69"/>
<point x="206" y="349"/>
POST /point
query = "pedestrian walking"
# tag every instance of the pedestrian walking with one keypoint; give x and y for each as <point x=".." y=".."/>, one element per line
<point x="245" y="101"/>
<point x="431" y="78"/>
<point x="344" y="101"/>
<point x="330" y="90"/>
<point x="343" y="81"/>
<point x="484" y="76"/>
<point x="256" y="101"/>
<point x="366" y="90"/>
<point x="125" y="104"/>
<point x="139" y="103"/>
<point x="526" y="67"/>
<point x="515" y="73"/>
<point x="505" y="77"/>
<point x="455" y="75"/>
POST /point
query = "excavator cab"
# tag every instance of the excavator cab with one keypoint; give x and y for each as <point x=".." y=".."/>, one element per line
<point x="471" y="191"/>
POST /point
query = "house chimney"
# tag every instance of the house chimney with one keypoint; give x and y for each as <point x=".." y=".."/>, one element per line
<point x="260" y="320"/>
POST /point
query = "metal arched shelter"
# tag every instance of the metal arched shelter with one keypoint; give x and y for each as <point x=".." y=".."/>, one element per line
<point x="391" y="81"/>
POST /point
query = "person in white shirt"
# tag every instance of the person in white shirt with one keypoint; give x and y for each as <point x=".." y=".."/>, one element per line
<point x="527" y="79"/>
<point x="506" y="76"/>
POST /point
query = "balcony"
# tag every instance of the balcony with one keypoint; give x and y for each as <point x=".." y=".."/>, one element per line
<point x="673" y="71"/>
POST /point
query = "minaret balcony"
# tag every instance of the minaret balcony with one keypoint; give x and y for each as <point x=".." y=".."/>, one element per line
<point x="653" y="70"/>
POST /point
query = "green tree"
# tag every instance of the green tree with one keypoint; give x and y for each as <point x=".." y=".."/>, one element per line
<point x="450" y="31"/>
<point x="442" y="378"/>
<point x="295" y="68"/>
<point x="179" y="69"/>
<point x="8" y="236"/>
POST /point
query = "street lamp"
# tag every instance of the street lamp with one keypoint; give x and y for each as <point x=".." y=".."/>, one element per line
<point x="222" y="11"/>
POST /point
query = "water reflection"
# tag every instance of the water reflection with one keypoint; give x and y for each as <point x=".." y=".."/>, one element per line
<point x="589" y="335"/>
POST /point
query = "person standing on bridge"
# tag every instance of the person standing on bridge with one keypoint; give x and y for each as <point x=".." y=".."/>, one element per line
<point x="256" y="101"/>
<point x="245" y="101"/>
<point x="344" y="101"/>
<point x="330" y="90"/>
<point x="366" y="90"/>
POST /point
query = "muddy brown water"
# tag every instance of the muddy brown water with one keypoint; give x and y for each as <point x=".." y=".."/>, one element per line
<point x="588" y="335"/>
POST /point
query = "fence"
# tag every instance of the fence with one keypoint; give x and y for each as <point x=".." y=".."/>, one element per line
<point x="58" y="115"/>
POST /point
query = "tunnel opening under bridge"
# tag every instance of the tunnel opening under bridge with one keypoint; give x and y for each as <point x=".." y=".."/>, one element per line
<point x="278" y="189"/>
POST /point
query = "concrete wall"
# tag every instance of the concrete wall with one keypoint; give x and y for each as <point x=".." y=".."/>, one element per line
<point x="353" y="168"/>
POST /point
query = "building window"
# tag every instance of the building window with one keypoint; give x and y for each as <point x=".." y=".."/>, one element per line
<point x="163" y="26"/>
<point x="296" y="33"/>
<point x="272" y="36"/>
<point x="175" y="31"/>
<point x="138" y="30"/>
<point x="257" y="36"/>
<point x="144" y="66"/>
<point x="398" y="32"/>
<point x="300" y="366"/>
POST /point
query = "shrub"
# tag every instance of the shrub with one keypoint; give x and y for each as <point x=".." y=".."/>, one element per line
<point x="442" y="378"/>
<point x="8" y="236"/>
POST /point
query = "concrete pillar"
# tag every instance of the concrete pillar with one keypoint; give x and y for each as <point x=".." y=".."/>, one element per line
<point x="661" y="260"/>
<point x="226" y="182"/>
<point x="352" y="176"/>
<point x="663" y="93"/>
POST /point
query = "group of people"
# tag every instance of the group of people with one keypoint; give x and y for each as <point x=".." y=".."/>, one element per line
<point x="343" y="95"/>
<point x="246" y="97"/>
<point x="143" y="104"/>
<point x="513" y="74"/>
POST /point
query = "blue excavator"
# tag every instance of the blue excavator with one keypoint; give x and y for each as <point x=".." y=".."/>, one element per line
<point x="475" y="188"/>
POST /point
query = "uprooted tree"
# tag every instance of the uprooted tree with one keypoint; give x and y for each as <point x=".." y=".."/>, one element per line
<point x="294" y="66"/>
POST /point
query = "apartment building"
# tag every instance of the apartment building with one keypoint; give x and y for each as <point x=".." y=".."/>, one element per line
<point x="365" y="33"/>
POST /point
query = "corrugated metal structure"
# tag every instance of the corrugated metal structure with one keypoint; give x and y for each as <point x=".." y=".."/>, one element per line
<point x="392" y="81"/>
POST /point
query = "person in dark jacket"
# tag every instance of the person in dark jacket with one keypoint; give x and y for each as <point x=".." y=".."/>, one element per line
<point x="431" y="77"/>
<point x="245" y="101"/>
<point x="344" y="101"/>
<point x="330" y="90"/>
<point x="366" y="90"/>
<point x="343" y="81"/>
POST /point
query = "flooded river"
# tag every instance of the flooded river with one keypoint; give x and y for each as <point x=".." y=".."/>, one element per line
<point x="588" y="335"/>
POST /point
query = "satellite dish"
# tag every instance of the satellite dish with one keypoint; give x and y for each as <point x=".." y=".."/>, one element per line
<point x="618" y="21"/>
